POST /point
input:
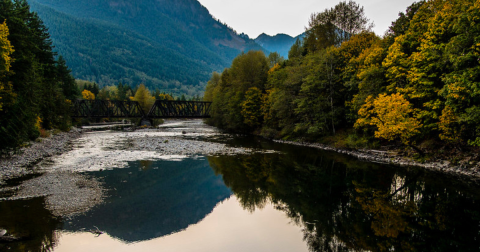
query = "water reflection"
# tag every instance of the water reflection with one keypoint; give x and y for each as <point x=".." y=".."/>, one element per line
<point x="30" y="223"/>
<point x="335" y="202"/>
<point x="347" y="205"/>
<point x="154" y="198"/>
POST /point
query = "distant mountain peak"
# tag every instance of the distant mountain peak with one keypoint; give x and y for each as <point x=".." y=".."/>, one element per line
<point x="280" y="42"/>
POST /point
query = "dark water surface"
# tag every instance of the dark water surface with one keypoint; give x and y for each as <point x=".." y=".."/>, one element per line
<point x="297" y="199"/>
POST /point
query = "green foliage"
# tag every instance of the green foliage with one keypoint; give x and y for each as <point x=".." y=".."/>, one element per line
<point x="420" y="81"/>
<point x="252" y="107"/>
<point x="317" y="104"/>
<point x="43" y="85"/>
<point x="172" y="45"/>
<point x="336" y="25"/>
<point x="274" y="58"/>
<point x="296" y="50"/>
<point x="248" y="70"/>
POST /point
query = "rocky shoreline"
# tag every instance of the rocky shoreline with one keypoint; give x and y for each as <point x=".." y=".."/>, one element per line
<point x="68" y="192"/>
<point x="20" y="164"/>
<point x="56" y="163"/>
<point x="391" y="157"/>
<point x="65" y="193"/>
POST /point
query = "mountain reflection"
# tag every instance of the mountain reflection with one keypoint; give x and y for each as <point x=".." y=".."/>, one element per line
<point x="151" y="199"/>
<point x="347" y="205"/>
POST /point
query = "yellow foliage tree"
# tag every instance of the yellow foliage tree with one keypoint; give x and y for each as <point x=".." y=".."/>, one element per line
<point x="165" y="97"/>
<point x="391" y="115"/>
<point x="448" y="126"/>
<point x="144" y="98"/>
<point x="274" y="68"/>
<point x="87" y="95"/>
<point x="252" y="107"/>
<point x="6" y="49"/>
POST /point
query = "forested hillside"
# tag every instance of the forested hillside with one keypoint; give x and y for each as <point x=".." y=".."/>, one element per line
<point x="173" y="45"/>
<point x="279" y="43"/>
<point x="417" y="86"/>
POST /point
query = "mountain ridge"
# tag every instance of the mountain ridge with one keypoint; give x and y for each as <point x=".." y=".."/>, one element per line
<point x="280" y="42"/>
<point x="180" y="43"/>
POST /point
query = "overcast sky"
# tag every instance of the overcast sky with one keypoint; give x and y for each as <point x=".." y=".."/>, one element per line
<point x="254" y="17"/>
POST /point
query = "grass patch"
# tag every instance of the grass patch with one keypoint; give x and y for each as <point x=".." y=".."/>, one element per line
<point x="44" y="133"/>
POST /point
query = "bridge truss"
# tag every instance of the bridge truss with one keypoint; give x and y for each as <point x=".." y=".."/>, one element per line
<point x="179" y="109"/>
<point x="132" y="109"/>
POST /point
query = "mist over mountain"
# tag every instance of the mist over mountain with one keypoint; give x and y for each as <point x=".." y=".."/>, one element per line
<point x="280" y="43"/>
<point x="173" y="45"/>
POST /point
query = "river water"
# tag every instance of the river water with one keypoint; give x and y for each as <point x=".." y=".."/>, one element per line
<point x="272" y="197"/>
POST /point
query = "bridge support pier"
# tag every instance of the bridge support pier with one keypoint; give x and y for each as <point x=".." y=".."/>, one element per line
<point x="146" y="122"/>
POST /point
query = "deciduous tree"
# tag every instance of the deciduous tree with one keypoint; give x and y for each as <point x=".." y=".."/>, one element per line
<point x="391" y="115"/>
<point x="144" y="98"/>
<point x="252" y="107"/>
<point x="87" y="95"/>
<point x="6" y="50"/>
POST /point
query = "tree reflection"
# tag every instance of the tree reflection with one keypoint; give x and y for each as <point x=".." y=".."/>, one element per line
<point x="30" y="223"/>
<point x="346" y="205"/>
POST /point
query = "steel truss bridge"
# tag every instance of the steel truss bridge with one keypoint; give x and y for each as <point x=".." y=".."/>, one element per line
<point x="132" y="109"/>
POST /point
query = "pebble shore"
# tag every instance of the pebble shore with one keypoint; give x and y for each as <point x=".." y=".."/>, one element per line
<point x="58" y="162"/>
<point x="22" y="164"/>
<point x="68" y="191"/>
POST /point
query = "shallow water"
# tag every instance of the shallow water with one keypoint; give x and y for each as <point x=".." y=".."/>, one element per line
<point x="287" y="199"/>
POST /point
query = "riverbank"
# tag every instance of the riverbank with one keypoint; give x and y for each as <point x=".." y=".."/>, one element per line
<point x="470" y="171"/>
<point x="56" y="163"/>
<point x="56" y="167"/>
<point x="20" y="163"/>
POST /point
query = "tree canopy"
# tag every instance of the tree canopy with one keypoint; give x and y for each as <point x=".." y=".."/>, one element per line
<point x="420" y="81"/>
<point x="33" y="83"/>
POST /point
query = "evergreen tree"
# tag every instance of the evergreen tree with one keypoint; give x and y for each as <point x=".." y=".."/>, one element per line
<point x="67" y="82"/>
<point x="38" y="80"/>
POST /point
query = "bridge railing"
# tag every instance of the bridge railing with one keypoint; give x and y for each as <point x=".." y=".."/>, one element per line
<point x="129" y="109"/>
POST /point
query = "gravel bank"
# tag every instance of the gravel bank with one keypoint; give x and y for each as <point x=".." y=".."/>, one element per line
<point x="65" y="193"/>
<point x="62" y="159"/>
<point x="21" y="164"/>
<point x="97" y="151"/>
<point x="183" y="147"/>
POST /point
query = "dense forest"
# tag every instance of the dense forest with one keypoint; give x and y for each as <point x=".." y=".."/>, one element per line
<point x="417" y="86"/>
<point x="173" y="45"/>
<point x="36" y="89"/>
<point x="36" y="86"/>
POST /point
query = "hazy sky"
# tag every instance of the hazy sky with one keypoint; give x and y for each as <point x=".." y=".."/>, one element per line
<point x="254" y="17"/>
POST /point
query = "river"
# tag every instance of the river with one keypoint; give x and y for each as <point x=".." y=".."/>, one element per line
<point x="189" y="187"/>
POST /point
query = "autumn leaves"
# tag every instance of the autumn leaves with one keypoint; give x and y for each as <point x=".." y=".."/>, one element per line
<point x="421" y="80"/>
<point x="6" y="50"/>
